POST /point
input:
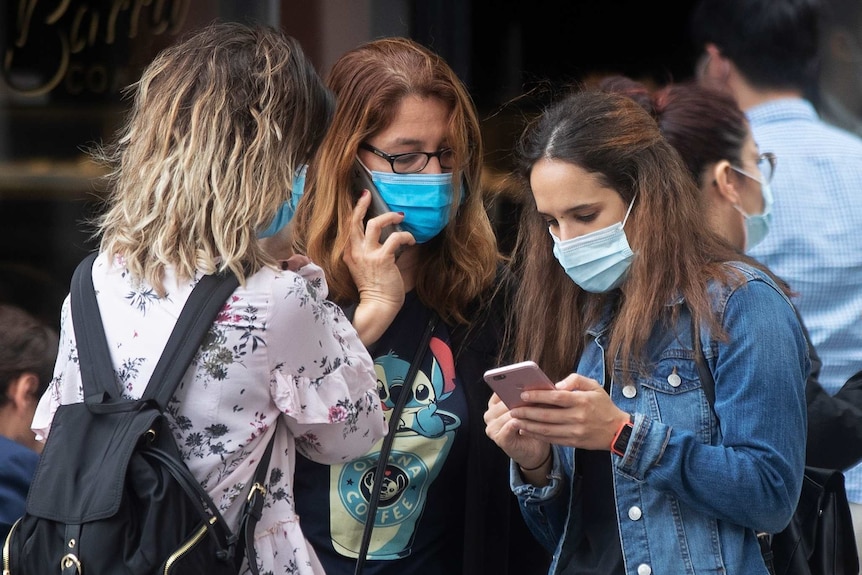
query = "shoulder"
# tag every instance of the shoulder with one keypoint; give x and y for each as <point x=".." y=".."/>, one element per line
<point x="746" y="281"/>
<point x="17" y="459"/>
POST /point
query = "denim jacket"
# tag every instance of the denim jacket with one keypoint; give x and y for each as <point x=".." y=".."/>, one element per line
<point x="695" y="484"/>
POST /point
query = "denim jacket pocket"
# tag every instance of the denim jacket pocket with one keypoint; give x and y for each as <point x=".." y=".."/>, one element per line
<point x="673" y="394"/>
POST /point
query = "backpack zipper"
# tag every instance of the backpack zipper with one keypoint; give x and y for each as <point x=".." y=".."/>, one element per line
<point x="185" y="548"/>
<point x="6" y="559"/>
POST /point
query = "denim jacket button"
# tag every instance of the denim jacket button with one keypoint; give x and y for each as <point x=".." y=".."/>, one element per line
<point x="674" y="380"/>
<point x="635" y="513"/>
<point x="644" y="569"/>
<point x="630" y="391"/>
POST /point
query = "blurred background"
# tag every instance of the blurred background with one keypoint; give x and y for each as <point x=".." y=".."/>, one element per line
<point x="65" y="64"/>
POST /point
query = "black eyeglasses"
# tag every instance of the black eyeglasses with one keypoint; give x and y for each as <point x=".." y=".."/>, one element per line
<point x="412" y="162"/>
<point x="766" y="163"/>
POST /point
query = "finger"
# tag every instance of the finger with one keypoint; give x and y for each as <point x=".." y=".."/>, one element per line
<point x="399" y="239"/>
<point x="578" y="382"/>
<point x="547" y="399"/>
<point x="357" y="228"/>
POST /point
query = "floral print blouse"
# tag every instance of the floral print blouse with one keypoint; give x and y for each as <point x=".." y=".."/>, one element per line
<point x="278" y="349"/>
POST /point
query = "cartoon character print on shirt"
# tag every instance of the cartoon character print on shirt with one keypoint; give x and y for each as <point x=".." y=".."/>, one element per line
<point x="424" y="436"/>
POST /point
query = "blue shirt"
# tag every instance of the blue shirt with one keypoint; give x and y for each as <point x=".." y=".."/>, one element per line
<point x="17" y="466"/>
<point x="815" y="240"/>
<point x="694" y="486"/>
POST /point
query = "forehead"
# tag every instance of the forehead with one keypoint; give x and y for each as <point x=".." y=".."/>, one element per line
<point x="422" y="121"/>
<point x="558" y="186"/>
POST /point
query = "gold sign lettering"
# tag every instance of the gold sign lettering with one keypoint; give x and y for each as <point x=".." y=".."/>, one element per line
<point x="73" y="26"/>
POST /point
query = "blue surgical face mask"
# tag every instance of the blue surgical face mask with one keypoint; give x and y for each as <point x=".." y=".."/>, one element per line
<point x="757" y="225"/>
<point x="597" y="261"/>
<point x="288" y="208"/>
<point x="425" y="200"/>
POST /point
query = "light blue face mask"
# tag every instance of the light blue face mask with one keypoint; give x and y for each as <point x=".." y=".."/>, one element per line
<point x="597" y="261"/>
<point x="425" y="200"/>
<point x="288" y="208"/>
<point x="757" y="225"/>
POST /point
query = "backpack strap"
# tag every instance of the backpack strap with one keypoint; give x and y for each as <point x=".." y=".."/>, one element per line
<point x="200" y="311"/>
<point x="195" y="320"/>
<point x="93" y="354"/>
<point x="386" y="447"/>
<point x="708" y="384"/>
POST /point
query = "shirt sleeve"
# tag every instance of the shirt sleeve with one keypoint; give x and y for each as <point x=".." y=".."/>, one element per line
<point x="323" y="378"/>
<point x="65" y="385"/>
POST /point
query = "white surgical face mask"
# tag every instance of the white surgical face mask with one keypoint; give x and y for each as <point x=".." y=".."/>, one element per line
<point x="598" y="261"/>
<point x="757" y="225"/>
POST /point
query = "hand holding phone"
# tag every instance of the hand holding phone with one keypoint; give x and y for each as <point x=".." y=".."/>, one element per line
<point x="510" y="380"/>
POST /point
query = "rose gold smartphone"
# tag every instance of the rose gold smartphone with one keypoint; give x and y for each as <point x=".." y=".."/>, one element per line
<point x="510" y="380"/>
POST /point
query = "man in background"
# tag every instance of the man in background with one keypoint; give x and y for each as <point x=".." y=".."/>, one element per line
<point x="28" y="351"/>
<point x="839" y="96"/>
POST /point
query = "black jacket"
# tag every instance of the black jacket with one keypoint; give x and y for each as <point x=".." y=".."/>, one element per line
<point x="496" y="540"/>
<point x="834" y="421"/>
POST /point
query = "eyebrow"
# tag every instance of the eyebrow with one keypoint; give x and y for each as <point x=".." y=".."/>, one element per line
<point x="413" y="142"/>
<point x="575" y="209"/>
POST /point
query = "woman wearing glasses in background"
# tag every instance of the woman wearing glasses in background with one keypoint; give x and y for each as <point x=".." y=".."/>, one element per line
<point x="405" y="125"/>
<point x="712" y="135"/>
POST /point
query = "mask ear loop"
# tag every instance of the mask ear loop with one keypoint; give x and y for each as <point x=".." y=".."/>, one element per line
<point x="361" y="163"/>
<point x="625" y="219"/>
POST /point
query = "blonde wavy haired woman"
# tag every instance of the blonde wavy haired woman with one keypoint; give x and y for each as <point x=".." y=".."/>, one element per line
<point x="207" y="156"/>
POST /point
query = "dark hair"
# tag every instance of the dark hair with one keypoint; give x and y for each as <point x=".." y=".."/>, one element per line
<point x="26" y="345"/>
<point x="615" y="139"/>
<point x="773" y="43"/>
<point x="704" y="125"/>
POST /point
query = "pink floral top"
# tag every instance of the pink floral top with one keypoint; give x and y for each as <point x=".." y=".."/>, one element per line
<point x="278" y="349"/>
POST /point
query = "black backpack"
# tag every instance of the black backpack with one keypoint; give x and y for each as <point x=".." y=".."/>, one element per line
<point x="111" y="494"/>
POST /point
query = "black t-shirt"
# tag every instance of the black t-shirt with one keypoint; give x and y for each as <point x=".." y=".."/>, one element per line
<point x="419" y="521"/>
<point x="598" y="550"/>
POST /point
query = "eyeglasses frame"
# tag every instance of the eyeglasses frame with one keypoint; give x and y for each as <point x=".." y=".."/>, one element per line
<point x="391" y="158"/>
<point x="771" y="159"/>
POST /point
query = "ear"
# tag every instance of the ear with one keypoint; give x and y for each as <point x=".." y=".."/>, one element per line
<point x="22" y="390"/>
<point x="719" y="65"/>
<point x="723" y="178"/>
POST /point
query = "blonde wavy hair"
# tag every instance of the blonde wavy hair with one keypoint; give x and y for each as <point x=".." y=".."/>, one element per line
<point x="218" y="126"/>
<point x="369" y="82"/>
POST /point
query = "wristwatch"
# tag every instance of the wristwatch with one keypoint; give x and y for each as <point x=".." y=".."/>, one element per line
<point x="622" y="437"/>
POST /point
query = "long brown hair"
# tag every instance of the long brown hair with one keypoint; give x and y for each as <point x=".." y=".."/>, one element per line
<point x="369" y="82"/>
<point x="613" y="137"/>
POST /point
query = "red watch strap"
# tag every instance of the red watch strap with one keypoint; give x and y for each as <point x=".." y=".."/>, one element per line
<point x="622" y="437"/>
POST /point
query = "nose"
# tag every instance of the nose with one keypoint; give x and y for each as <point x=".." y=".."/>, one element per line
<point x="566" y="231"/>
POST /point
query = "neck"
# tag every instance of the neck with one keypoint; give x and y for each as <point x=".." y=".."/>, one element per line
<point x="748" y="96"/>
<point x="17" y="429"/>
<point x="408" y="264"/>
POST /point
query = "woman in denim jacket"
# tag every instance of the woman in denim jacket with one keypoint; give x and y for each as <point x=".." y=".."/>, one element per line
<point x="624" y="468"/>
